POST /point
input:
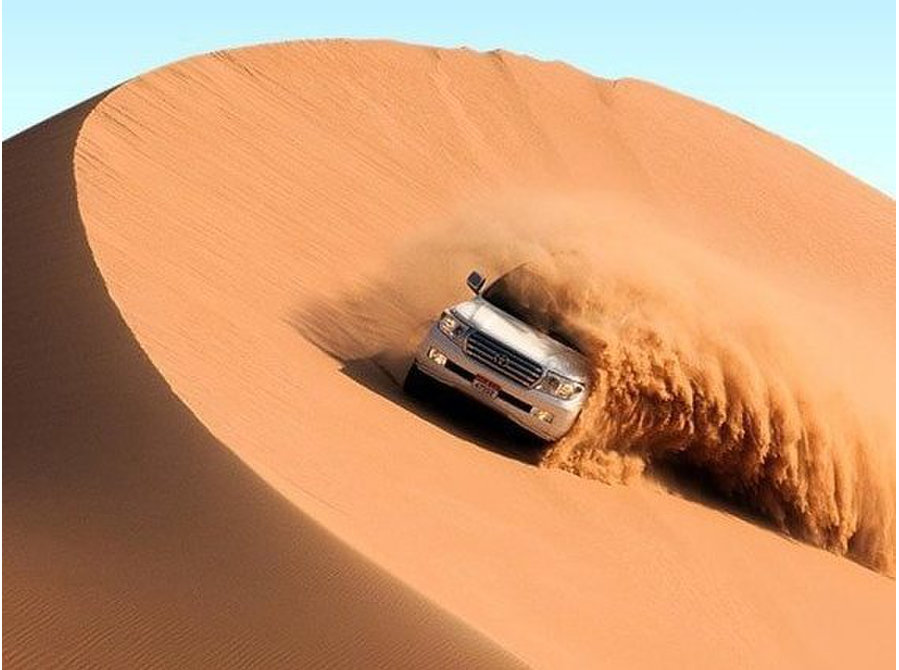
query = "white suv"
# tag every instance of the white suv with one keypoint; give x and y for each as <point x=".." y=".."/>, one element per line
<point x="491" y="349"/>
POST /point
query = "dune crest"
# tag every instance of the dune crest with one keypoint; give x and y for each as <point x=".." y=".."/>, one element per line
<point x="132" y="537"/>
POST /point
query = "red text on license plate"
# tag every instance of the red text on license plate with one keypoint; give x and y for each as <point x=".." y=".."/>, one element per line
<point x="485" y="386"/>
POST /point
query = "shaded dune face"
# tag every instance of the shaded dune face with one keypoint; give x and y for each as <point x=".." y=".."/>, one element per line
<point x="247" y="210"/>
<point x="132" y="536"/>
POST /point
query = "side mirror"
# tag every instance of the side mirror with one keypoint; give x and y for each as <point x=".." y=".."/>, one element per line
<point x="476" y="282"/>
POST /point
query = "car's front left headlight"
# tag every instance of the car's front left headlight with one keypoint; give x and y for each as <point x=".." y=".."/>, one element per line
<point x="451" y="326"/>
<point x="559" y="386"/>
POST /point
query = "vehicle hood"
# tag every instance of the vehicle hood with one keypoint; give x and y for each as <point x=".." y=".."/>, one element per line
<point x="520" y="336"/>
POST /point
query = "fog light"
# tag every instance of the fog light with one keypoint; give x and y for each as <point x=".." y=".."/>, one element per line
<point x="543" y="415"/>
<point x="437" y="356"/>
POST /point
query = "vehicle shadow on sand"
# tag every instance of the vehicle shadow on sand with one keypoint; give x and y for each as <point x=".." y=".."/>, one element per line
<point x="452" y="411"/>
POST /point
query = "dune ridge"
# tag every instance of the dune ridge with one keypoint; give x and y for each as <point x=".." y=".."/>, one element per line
<point x="231" y="199"/>
<point x="132" y="536"/>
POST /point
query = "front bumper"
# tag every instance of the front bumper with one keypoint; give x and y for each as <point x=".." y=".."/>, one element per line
<point x="514" y="401"/>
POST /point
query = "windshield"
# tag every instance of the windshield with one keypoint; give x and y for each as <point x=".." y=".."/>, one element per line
<point x="528" y="296"/>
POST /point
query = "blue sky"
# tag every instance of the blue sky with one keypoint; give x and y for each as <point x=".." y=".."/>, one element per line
<point x="819" y="73"/>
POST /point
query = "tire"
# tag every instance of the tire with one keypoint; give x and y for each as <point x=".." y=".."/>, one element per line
<point x="417" y="383"/>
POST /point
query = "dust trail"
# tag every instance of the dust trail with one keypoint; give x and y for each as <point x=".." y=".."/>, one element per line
<point x="780" y="402"/>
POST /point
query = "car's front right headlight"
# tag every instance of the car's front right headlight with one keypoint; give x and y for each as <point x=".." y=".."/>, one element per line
<point x="559" y="386"/>
<point x="451" y="326"/>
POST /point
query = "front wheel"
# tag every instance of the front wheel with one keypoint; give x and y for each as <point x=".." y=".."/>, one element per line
<point x="416" y="383"/>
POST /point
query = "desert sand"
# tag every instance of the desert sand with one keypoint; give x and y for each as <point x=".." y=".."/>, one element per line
<point x="213" y="274"/>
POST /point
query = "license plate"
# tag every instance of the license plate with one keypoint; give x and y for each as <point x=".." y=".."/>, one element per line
<point x="485" y="386"/>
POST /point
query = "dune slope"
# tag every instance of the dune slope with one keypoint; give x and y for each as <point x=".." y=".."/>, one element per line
<point x="133" y="538"/>
<point x="253" y="211"/>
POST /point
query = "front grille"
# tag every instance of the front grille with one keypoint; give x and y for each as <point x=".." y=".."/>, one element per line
<point x="503" y="359"/>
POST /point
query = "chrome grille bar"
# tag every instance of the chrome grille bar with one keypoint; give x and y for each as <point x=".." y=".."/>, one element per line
<point x="503" y="359"/>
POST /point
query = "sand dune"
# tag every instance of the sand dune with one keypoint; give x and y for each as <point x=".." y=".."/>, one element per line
<point x="251" y="212"/>
<point x="133" y="537"/>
